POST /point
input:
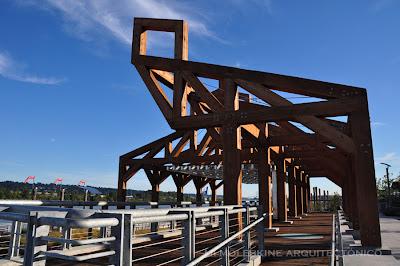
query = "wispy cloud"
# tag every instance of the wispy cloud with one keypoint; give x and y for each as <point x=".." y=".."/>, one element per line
<point x="265" y="4"/>
<point x="395" y="60"/>
<point x="123" y="88"/>
<point x="377" y="124"/>
<point x="11" y="69"/>
<point x="379" y="5"/>
<point x="390" y="157"/>
<point x="91" y="19"/>
<point x="11" y="164"/>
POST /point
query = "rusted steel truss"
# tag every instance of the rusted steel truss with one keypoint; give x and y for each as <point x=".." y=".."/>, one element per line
<point x="247" y="120"/>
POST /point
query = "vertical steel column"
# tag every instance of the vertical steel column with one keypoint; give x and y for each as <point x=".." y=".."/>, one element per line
<point x="224" y="253"/>
<point x="260" y="233"/>
<point x="86" y="195"/>
<point x="103" y="230"/>
<point x="15" y="240"/>
<point x="67" y="234"/>
<point x="62" y="194"/>
<point x="247" y="236"/>
<point x="30" y="241"/>
<point x="34" y="192"/>
<point x="188" y="241"/>
<point x="33" y="248"/>
<point x="118" y="245"/>
<point x="127" y="240"/>
<point x="308" y="194"/>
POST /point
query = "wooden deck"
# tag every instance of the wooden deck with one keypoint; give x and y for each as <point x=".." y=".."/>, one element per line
<point x="309" y="244"/>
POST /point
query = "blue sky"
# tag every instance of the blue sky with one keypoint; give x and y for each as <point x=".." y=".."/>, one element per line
<point x="71" y="102"/>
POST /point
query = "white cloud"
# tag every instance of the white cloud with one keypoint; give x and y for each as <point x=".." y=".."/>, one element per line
<point x="11" y="69"/>
<point x="92" y="19"/>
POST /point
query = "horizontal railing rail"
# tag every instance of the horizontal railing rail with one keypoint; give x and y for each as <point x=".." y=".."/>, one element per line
<point x="81" y="223"/>
<point x="68" y="203"/>
<point x="78" y="241"/>
<point x="10" y="216"/>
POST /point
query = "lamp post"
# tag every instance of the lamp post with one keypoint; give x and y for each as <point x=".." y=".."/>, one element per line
<point x="388" y="183"/>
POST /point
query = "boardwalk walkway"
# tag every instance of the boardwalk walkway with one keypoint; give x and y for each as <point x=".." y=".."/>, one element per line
<point x="305" y="242"/>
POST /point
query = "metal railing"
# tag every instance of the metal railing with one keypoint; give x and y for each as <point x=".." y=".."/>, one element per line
<point x="333" y="258"/>
<point x="246" y="242"/>
<point x="40" y="234"/>
<point x="199" y="230"/>
<point x="34" y="228"/>
<point x="339" y="239"/>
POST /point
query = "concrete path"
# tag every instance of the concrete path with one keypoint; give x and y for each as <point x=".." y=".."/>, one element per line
<point x="390" y="232"/>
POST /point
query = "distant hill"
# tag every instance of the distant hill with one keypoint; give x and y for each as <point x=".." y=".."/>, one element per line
<point x="20" y="190"/>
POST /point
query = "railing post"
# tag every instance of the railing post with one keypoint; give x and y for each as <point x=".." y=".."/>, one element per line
<point x="118" y="245"/>
<point x="188" y="241"/>
<point x="86" y="195"/>
<point x="67" y="234"/>
<point x="260" y="233"/>
<point x="247" y="237"/>
<point x="29" y="246"/>
<point x="127" y="240"/>
<point x="62" y="194"/>
<point x="34" y="246"/>
<point x="154" y="226"/>
<point x="224" y="235"/>
<point x="15" y="240"/>
<point x="103" y="230"/>
<point x="172" y="225"/>
<point x="34" y="193"/>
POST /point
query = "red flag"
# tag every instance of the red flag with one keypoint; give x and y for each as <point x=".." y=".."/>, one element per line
<point x="31" y="177"/>
<point x="58" y="180"/>
<point x="82" y="183"/>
